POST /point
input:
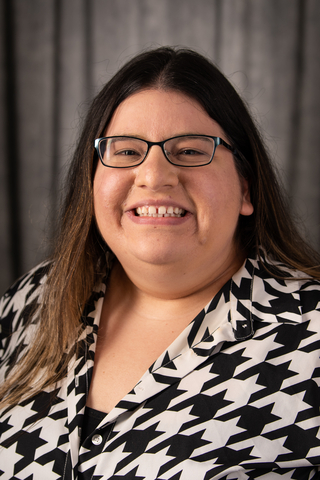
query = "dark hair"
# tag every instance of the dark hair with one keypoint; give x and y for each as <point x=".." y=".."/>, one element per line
<point x="79" y="259"/>
<point x="188" y="72"/>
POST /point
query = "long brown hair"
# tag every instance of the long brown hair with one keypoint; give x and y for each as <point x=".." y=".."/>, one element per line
<point x="79" y="258"/>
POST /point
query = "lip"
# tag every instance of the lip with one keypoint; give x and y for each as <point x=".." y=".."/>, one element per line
<point x="129" y="211"/>
<point x="156" y="203"/>
<point x="161" y="221"/>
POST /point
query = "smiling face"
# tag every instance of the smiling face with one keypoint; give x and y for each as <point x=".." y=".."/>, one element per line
<point x="203" y="203"/>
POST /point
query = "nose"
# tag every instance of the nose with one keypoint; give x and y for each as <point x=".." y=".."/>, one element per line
<point x="156" y="172"/>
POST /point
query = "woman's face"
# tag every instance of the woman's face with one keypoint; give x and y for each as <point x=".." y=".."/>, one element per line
<point x="212" y="197"/>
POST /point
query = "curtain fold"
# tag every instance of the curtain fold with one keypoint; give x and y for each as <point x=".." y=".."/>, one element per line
<point x="55" y="55"/>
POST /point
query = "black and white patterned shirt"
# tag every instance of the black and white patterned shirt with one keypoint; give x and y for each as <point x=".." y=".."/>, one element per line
<point x="235" y="396"/>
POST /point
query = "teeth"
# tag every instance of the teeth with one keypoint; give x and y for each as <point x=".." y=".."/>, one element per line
<point x="162" y="211"/>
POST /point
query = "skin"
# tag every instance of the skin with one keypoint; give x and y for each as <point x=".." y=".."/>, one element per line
<point x="169" y="268"/>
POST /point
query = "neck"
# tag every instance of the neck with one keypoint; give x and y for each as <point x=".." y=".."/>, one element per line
<point x="163" y="292"/>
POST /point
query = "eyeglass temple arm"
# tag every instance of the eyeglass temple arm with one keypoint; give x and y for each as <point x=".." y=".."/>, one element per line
<point x="219" y="141"/>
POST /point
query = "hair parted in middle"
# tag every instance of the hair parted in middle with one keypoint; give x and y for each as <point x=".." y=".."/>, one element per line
<point x="79" y="259"/>
<point x="190" y="73"/>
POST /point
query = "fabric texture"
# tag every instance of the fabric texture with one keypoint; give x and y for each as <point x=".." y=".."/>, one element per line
<point x="234" y="401"/>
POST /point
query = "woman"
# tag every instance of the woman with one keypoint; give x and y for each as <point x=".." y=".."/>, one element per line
<point x="175" y="332"/>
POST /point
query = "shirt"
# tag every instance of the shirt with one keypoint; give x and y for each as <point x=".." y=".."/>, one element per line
<point x="235" y="396"/>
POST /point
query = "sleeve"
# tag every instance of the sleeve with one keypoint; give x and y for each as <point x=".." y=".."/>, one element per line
<point x="17" y="306"/>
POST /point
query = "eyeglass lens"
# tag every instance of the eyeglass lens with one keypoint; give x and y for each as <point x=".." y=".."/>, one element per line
<point x="185" y="151"/>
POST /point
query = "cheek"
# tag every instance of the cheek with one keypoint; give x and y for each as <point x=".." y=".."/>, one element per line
<point x="100" y="198"/>
<point x="221" y="201"/>
<point x="222" y="189"/>
<point x="109" y="195"/>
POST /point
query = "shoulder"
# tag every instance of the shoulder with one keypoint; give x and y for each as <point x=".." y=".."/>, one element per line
<point x="288" y="294"/>
<point x="19" y="303"/>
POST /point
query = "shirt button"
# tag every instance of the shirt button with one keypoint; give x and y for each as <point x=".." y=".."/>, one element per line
<point x="96" y="439"/>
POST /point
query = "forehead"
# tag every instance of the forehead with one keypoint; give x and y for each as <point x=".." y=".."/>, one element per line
<point x="159" y="114"/>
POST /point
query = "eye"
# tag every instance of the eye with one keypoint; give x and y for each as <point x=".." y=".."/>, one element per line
<point x="127" y="152"/>
<point x="189" y="151"/>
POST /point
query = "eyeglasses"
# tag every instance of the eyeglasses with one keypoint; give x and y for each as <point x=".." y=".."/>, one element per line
<point x="183" y="151"/>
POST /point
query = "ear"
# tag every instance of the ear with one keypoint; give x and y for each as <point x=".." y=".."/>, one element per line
<point x="246" y="207"/>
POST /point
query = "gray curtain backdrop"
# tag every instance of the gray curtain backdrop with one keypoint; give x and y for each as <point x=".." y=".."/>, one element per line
<point x="55" y="55"/>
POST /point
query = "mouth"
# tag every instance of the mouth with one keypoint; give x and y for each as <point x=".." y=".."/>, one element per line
<point x="162" y="211"/>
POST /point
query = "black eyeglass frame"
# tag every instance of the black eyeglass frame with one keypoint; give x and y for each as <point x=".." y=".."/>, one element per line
<point x="217" y="141"/>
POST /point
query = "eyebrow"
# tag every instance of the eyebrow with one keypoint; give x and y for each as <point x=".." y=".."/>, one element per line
<point x="171" y="136"/>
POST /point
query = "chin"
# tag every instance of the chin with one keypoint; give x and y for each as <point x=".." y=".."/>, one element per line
<point x="155" y="255"/>
<point x="158" y="258"/>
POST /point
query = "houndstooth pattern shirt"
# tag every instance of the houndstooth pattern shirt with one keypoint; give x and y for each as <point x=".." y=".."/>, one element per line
<point x="235" y="396"/>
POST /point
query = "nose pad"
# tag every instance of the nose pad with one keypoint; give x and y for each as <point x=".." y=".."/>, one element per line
<point x="156" y="172"/>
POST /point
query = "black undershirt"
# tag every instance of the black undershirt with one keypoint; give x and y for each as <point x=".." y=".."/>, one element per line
<point x="91" y="420"/>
